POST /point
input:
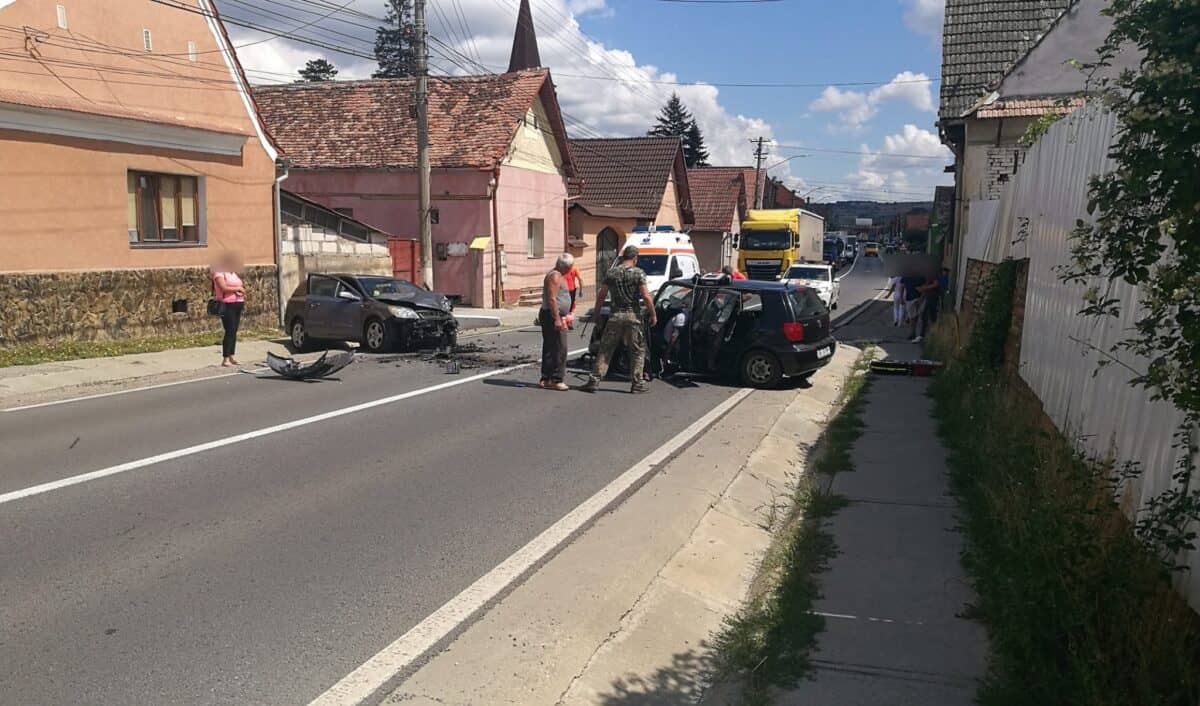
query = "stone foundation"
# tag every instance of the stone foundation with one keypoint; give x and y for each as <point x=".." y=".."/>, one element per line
<point x="112" y="304"/>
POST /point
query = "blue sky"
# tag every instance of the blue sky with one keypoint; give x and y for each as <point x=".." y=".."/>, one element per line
<point x="641" y="47"/>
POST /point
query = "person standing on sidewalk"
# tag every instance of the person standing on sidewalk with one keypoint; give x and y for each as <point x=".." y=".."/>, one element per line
<point x="553" y="317"/>
<point x="627" y="284"/>
<point x="230" y="291"/>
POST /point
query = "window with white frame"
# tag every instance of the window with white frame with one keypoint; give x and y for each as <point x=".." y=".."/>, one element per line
<point x="536" y="238"/>
<point x="191" y="51"/>
<point x="163" y="209"/>
<point x="147" y="42"/>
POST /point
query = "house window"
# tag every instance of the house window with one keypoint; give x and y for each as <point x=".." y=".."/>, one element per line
<point x="147" y="44"/>
<point x="536" y="244"/>
<point x="163" y="208"/>
<point x="192" y="51"/>
<point x="62" y="17"/>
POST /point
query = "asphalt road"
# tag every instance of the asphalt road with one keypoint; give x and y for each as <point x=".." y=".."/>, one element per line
<point x="262" y="570"/>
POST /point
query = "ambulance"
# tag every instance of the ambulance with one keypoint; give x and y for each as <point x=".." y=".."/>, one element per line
<point x="663" y="254"/>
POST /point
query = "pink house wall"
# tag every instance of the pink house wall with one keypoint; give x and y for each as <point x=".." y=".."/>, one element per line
<point x="388" y="200"/>
<point x="522" y="195"/>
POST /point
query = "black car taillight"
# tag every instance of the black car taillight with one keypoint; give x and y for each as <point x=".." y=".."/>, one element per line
<point x="794" y="332"/>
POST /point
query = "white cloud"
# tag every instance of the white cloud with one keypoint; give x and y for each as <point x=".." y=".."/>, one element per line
<point x="857" y="108"/>
<point x="908" y="165"/>
<point x="622" y="104"/>
<point x="925" y="17"/>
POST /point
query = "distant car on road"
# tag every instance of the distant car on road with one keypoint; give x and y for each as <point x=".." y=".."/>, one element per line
<point x="380" y="313"/>
<point x="754" y="330"/>
<point x="820" y="278"/>
<point x="871" y="250"/>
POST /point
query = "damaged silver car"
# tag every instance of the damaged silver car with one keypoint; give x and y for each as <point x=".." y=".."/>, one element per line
<point x="380" y="313"/>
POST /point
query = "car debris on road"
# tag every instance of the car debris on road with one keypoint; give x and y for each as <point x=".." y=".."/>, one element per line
<point x="324" y="366"/>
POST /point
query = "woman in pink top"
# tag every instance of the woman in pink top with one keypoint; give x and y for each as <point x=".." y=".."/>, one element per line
<point x="229" y="290"/>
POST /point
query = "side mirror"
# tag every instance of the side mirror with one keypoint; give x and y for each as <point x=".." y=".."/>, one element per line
<point x="348" y="296"/>
<point x="837" y="280"/>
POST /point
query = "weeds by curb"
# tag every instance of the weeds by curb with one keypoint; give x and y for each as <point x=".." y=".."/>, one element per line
<point x="768" y="643"/>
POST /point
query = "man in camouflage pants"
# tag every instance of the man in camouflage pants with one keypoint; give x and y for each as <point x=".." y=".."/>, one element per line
<point x="627" y="284"/>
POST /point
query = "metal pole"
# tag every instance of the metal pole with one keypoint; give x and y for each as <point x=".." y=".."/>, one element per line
<point x="423" y="143"/>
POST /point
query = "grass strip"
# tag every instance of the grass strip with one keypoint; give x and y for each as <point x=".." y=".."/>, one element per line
<point x="1078" y="611"/>
<point x="768" y="643"/>
<point x="34" y="353"/>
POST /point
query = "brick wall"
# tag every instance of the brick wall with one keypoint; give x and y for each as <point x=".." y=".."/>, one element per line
<point x="1002" y="164"/>
<point x="974" y="294"/>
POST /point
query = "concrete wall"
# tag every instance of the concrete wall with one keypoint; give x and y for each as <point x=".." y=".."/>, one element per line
<point x="534" y="147"/>
<point x="307" y="250"/>
<point x="713" y="249"/>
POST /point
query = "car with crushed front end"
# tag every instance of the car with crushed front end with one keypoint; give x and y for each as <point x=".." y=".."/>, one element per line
<point x="756" y="331"/>
<point x="380" y="313"/>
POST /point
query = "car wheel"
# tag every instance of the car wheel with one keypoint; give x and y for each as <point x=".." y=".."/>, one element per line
<point x="761" y="369"/>
<point x="298" y="332"/>
<point x="375" y="336"/>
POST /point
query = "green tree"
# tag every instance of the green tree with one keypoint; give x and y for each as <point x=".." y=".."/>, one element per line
<point x="675" y="121"/>
<point x="693" y="147"/>
<point x="318" y="70"/>
<point x="395" y="48"/>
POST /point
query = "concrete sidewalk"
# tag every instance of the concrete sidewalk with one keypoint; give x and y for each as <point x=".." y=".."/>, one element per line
<point x="31" y="384"/>
<point x="893" y="595"/>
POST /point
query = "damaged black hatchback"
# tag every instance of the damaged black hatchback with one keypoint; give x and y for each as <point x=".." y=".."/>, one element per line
<point x="380" y="313"/>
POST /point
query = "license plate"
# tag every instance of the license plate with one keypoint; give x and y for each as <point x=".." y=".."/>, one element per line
<point x="824" y="353"/>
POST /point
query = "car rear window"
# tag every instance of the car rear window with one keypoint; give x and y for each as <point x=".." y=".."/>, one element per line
<point x="806" y="303"/>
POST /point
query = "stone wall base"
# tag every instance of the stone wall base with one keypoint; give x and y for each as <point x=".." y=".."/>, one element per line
<point x="105" y="305"/>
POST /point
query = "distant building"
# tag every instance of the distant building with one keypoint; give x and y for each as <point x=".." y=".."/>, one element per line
<point x="719" y="201"/>
<point x="626" y="182"/>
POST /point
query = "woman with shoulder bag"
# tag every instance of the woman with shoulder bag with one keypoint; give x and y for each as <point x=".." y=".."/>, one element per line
<point x="230" y="293"/>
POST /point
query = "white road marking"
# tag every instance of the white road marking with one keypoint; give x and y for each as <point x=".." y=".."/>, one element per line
<point x="120" y="392"/>
<point x="890" y="621"/>
<point x="376" y="674"/>
<point x="114" y="393"/>
<point x="257" y="433"/>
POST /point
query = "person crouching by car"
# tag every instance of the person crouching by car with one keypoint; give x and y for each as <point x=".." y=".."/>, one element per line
<point x="733" y="274"/>
<point x="627" y="284"/>
<point x="554" y="317"/>
<point x="230" y="291"/>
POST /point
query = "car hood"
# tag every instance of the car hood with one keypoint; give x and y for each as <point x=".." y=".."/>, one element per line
<point x="813" y="283"/>
<point x="418" y="298"/>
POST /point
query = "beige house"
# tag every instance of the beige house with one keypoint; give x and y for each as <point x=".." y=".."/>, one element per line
<point x="627" y="182"/>
<point x="131" y="154"/>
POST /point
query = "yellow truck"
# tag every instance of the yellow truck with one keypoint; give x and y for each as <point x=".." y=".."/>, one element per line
<point x="773" y="240"/>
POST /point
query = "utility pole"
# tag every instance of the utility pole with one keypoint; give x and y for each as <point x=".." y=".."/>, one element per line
<point x="759" y="155"/>
<point x="421" y="51"/>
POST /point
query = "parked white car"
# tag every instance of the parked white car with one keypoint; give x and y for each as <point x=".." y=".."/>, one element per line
<point x="820" y="278"/>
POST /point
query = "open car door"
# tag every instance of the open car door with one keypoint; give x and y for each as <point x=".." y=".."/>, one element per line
<point x="711" y="327"/>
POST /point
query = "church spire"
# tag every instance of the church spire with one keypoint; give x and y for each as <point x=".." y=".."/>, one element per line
<point x="525" y="48"/>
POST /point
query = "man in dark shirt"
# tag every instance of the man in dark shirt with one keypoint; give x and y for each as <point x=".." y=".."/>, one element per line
<point x="626" y="283"/>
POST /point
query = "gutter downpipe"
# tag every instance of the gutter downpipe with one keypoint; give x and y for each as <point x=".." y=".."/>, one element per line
<point x="280" y="164"/>
<point x="497" y="285"/>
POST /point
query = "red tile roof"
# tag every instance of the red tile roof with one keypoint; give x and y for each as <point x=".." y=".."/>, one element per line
<point x="717" y="193"/>
<point x="1026" y="107"/>
<point x="630" y="173"/>
<point x="369" y="125"/>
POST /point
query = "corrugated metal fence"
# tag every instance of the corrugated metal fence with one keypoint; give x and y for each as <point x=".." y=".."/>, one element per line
<point x="1061" y="352"/>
